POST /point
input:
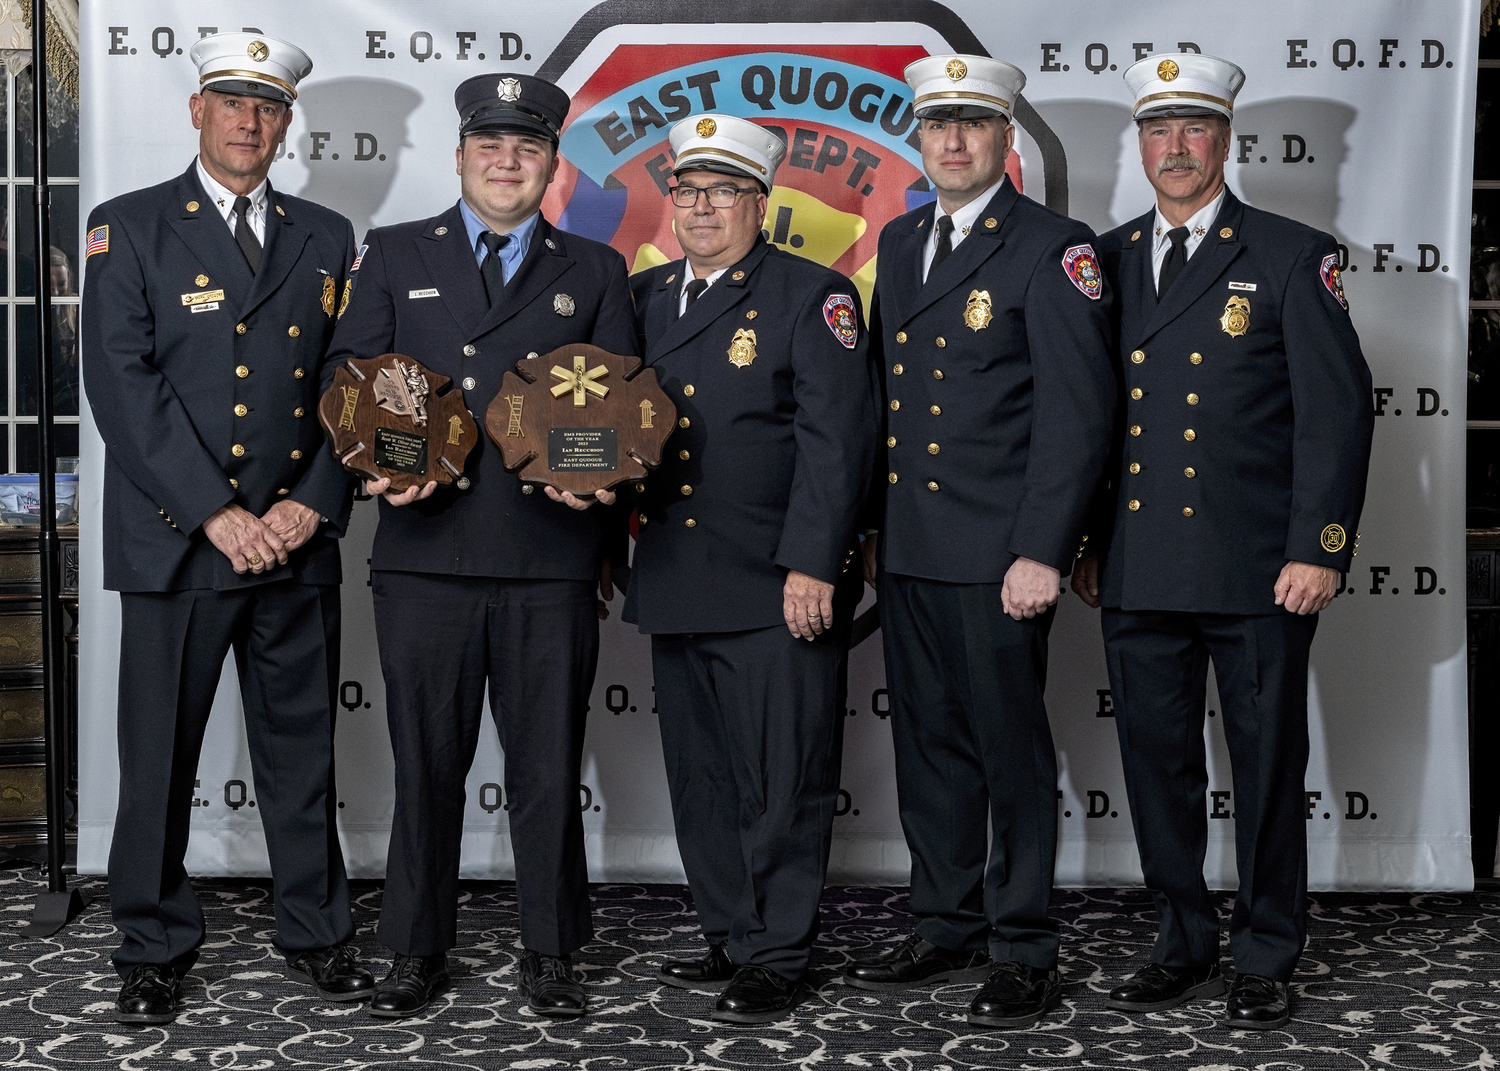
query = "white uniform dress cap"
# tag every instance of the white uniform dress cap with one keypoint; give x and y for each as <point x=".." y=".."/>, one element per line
<point x="963" y="87"/>
<point x="1182" y="84"/>
<point x="251" y="65"/>
<point x="728" y="145"/>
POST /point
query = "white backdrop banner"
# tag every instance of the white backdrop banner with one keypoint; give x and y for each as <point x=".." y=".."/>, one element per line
<point x="1359" y="122"/>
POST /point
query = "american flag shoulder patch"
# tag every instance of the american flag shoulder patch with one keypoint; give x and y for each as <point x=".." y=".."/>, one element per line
<point x="96" y="242"/>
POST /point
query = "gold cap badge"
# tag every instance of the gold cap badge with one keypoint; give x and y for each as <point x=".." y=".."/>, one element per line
<point x="1166" y="70"/>
<point x="706" y="128"/>
<point x="259" y="51"/>
<point x="956" y="69"/>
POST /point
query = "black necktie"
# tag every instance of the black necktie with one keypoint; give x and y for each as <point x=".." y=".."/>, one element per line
<point x="944" y="242"/>
<point x="695" y="288"/>
<point x="1175" y="262"/>
<point x="494" y="275"/>
<point x="248" y="243"/>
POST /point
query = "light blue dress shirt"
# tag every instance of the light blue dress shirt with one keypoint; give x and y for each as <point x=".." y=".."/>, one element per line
<point x="512" y="253"/>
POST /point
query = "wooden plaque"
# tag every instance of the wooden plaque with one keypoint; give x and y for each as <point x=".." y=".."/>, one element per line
<point x="580" y="419"/>
<point x="402" y="421"/>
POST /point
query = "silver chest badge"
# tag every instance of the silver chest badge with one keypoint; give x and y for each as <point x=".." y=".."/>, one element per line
<point x="562" y="304"/>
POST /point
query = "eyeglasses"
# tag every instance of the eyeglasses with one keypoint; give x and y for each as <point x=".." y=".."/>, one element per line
<point x="718" y="196"/>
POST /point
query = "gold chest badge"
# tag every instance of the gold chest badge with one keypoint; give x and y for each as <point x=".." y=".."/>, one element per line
<point x="977" y="313"/>
<point x="328" y="295"/>
<point x="1236" y="316"/>
<point x="742" y="348"/>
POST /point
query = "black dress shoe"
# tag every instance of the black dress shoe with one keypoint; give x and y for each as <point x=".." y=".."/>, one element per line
<point x="1157" y="987"/>
<point x="709" y="973"/>
<point x="916" y="962"/>
<point x="1015" y="996"/>
<point x="410" y="986"/>
<point x="548" y="984"/>
<point x="758" y="995"/>
<point x="148" y="995"/>
<point x="1257" y="1003"/>
<point x="335" y="971"/>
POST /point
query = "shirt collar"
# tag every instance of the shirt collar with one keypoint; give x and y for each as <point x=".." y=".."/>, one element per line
<point x="223" y="197"/>
<point x="688" y="276"/>
<point x="963" y="219"/>
<point x="1197" y="224"/>
<point x="520" y="235"/>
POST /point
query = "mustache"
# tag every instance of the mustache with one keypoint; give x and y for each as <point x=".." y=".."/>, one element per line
<point x="1179" y="161"/>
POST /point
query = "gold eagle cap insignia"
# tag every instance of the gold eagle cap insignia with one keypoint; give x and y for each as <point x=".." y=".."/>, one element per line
<point x="978" y="312"/>
<point x="742" y="348"/>
<point x="1236" y="318"/>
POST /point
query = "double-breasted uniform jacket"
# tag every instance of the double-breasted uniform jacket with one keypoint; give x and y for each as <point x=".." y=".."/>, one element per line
<point x="206" y="402"/>
<point x="1247" y="417"/>
<point x="418" y="291"/>
<point x="999" y="392"/>
<point x="776" y="438"/>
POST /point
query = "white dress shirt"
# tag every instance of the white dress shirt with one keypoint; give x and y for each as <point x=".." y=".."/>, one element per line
<point x="1197" y="226"/>
<point x="963" y="221"/>
<point x="223" y="199"/>
<point x="687" y="277"/>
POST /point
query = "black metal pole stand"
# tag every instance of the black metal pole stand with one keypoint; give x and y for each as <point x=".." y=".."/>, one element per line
<point x="59" y="905"/>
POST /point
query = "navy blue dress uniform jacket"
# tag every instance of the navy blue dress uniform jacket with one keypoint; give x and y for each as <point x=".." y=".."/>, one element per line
<point x="1246" y="444"/>
<point x="997" y="429"/>
<point x="770" y="462"/>
<point x="202" y="406"/>
<point x="492" y="528"/>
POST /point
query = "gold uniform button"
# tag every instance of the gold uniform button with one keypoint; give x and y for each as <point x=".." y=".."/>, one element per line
<point x="469" y="350"/>
<point x="1196" y="358"/>
<point x="242" y="371"/>
<point x="640" y="487"/>
<point x="898" y="369"/>
<point x="900" y="336"/>
<point x="1134" y="505"/>
<point x="232" y="483"/>
<point x="296" y="455"/>
<point x="283" y="490"/>
<point x="689" y="390"/>
<point x="1190" y="435"/>
<point x="294" y="330"/>
<point x="1187" y="511"/>
<point x="933" y="448"/>
<point x="895" y="404"/>
<point x="642" y="516"/>
<point x="690" y="523"/>
<point x="241" y="409"/>
<point x="237" y="450"/>
<point x="683" y="455"/>
<point x="941" y="342"/>
<point x="683" y="422"/>
<point x="240" y="329"/>
<point x="1138" y="394"/>
<point x="298" y="373"/>
<point x="192" y="206"/>
<point x="201" y="280"/>
<point x="932" y="485"/>
<point x="935" y="410"/>
<point x="891" y="478"/>
<point x="1137" y="357"/>
<point x="686" y="488"/>
<point x="299" y="412"/>
<point x="937" y="373"/>
<point x="1135" y="468"/>
<point x="1190" y="472"/>
<point x="1192" y="399"/>
<point x="1135" y="429"/>
<point x="890" y="440"/>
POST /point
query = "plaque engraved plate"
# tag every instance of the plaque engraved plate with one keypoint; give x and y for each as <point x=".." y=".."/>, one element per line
<point x="580" y="419"/>
<point x="391" y="417"/>
<point x="583" y="450"/>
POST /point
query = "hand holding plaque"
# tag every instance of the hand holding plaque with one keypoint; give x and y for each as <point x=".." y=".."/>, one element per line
<point x="392" y="418"/>
<point x="580" y="419"/>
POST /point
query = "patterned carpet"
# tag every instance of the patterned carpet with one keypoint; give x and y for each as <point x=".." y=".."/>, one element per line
<point x="1390" y="981"/>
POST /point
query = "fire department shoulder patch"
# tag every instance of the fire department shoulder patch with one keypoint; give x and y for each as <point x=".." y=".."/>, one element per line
<point x="838" y="310"/>
<point x="1082" y="267"/>
<point x="1333" y="278"/>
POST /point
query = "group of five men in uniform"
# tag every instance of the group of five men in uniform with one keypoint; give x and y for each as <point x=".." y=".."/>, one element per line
<point x="974" y="440"/>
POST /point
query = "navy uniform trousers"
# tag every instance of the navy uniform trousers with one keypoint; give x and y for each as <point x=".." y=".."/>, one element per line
<point x="971" y="737"/>
<point x="285" y="638"/>
<point x="1158" y="667"/>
